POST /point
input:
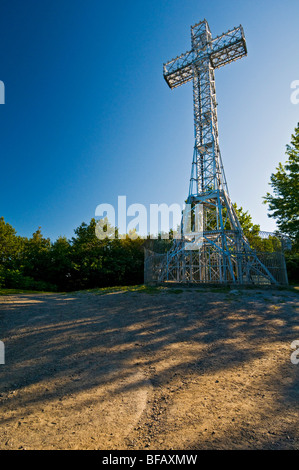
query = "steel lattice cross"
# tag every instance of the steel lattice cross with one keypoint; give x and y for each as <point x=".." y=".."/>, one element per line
<point x="221" y="251"/>
<point x="198" y="65"/>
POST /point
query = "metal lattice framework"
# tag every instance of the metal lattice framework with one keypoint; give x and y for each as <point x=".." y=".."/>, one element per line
<point x="219" y="251"/>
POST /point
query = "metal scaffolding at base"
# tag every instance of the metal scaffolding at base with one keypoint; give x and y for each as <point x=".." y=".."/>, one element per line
<point x="216" y="250"/>
<point x="203" y="266"/>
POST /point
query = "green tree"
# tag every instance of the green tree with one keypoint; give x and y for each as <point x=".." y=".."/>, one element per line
<point x="11" y="245"/>
<point x="106" y="261"/>
<point x="59" y="266"/>
<point x="284" y="203"/>
<point x="36" y="255"/>
<point x="245" y="219"/>
<point x="252" y="232"/>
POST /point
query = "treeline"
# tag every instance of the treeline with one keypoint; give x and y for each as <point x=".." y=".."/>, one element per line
<point x="85" y="262"/>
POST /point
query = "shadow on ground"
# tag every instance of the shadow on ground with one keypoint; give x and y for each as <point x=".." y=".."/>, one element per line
<point x="129" y="370"/>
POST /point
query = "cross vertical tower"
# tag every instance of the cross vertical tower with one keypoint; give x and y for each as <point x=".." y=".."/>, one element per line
<point x="219" y="251"/>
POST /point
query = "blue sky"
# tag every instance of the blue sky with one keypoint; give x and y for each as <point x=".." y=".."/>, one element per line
<point x="88" y="115"/>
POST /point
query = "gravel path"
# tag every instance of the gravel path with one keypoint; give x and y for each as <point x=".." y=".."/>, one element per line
<point x="196" y="369"/>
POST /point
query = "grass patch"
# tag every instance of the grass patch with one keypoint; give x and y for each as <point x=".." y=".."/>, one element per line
<point x="21" y="291"/>
<point x="175" y="291"/>
<point x="220" y="289"/>
<point x="145" y="289"/>
<point x="141" y="289"/>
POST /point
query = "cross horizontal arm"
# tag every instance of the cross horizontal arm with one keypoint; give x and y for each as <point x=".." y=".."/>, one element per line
<point x="228" y="47"/>
<point x="179" y="70"/>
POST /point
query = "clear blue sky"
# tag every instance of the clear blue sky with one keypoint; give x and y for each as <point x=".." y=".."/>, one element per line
<point x="89" y="117"/>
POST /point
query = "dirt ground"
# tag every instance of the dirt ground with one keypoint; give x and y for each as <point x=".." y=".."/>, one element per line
<point x="191" y="369"/>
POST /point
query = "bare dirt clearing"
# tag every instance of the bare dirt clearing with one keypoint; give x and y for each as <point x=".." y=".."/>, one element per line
<point x="196" y="369"/>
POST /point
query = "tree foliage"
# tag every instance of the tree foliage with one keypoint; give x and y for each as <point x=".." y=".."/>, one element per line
<point x="80" y="263"/>
<point x="85" y="261"/>
<point x="284" y="202"/>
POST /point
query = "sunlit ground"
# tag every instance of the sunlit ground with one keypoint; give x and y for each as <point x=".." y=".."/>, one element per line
<point x="153" y="368"/>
